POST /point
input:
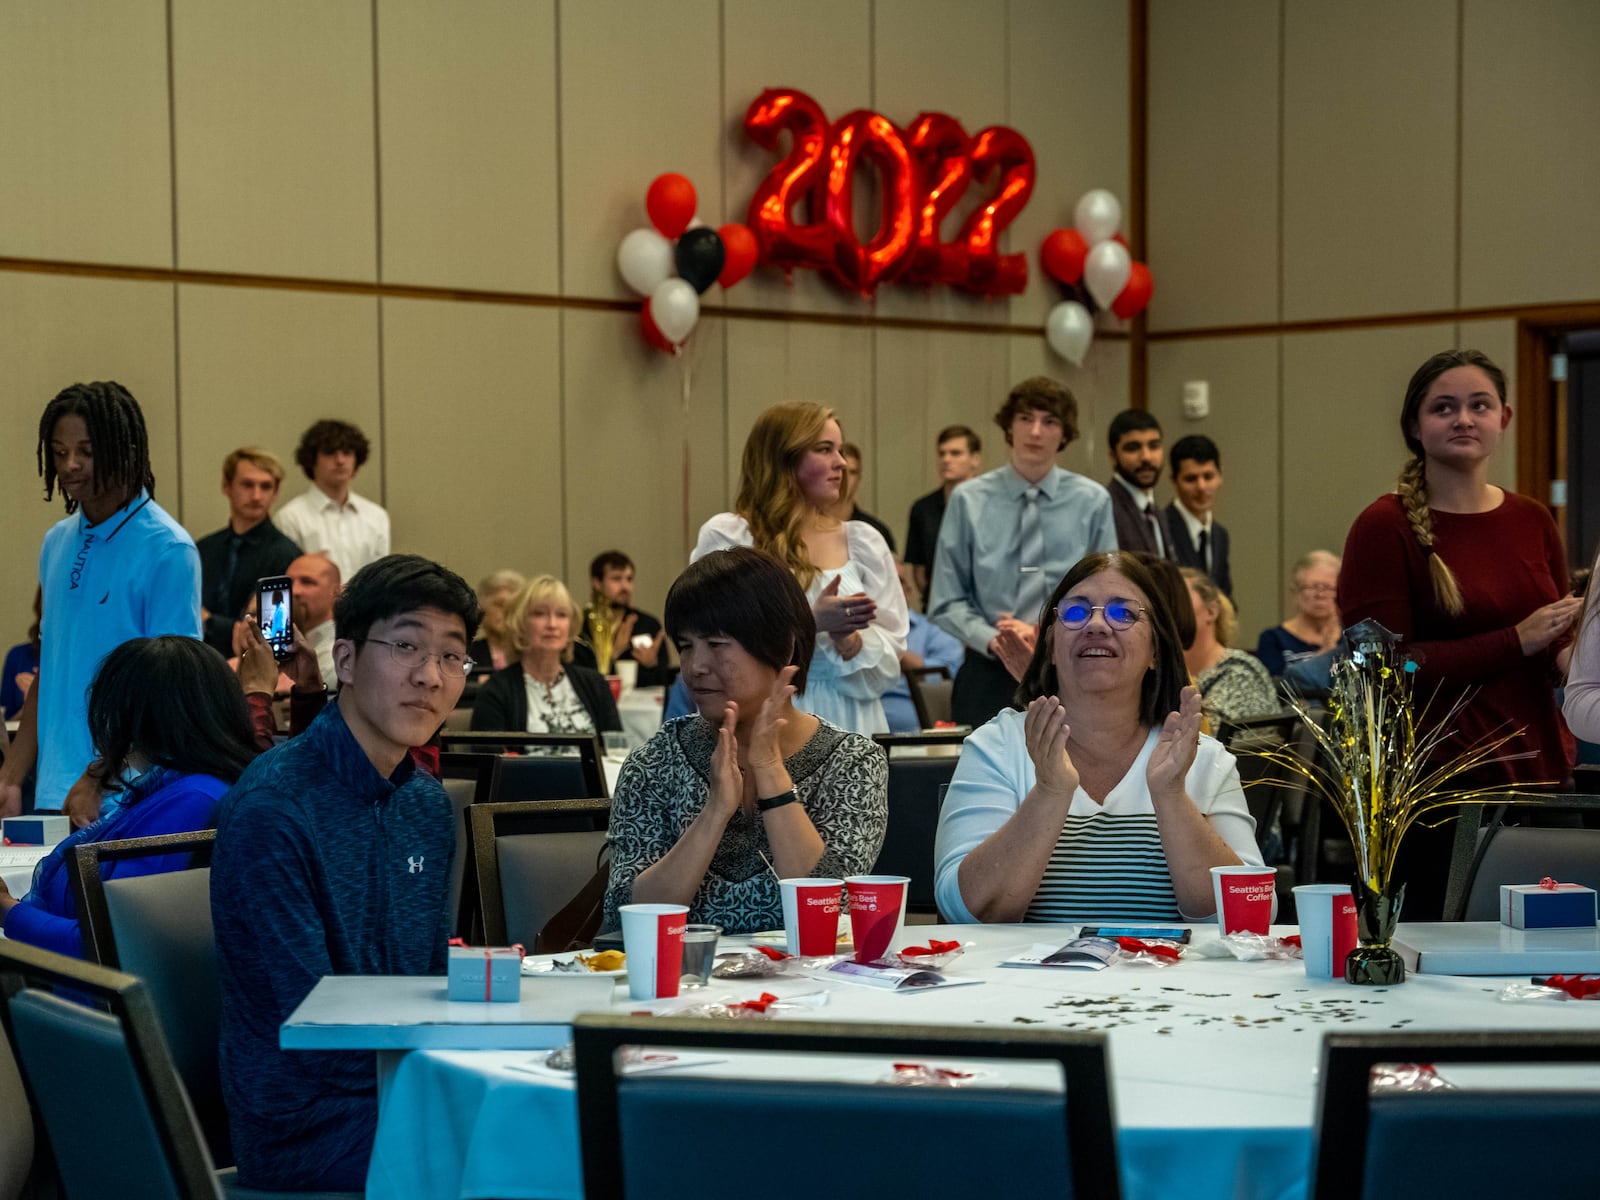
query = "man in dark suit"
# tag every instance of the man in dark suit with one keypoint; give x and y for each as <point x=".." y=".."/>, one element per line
<point x="1136" y="455"/>
<point x="1198" y="539"/>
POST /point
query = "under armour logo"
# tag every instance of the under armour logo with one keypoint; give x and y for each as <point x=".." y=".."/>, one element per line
<point x="415" y="863"/>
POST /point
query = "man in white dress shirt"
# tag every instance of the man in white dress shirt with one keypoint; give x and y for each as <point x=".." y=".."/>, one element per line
<point x="316" y="585"/>
<point x="328" y="518"/>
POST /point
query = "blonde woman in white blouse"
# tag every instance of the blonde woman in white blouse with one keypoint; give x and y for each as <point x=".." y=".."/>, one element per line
<point x="792" y="470"/>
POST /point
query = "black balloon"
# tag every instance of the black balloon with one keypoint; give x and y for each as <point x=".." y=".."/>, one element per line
<point x="699" y="257"/>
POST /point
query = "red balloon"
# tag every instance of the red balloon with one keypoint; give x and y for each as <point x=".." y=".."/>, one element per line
<point x="1062" y="255"/>
<point x="670" y="203"/>
<point x="939" y="145"/>
<point x="802" y="175"/>
<point x="652" y="333"/>
<point x="863" y="268"/>
<point x="1002" y="150"/>
<point x="1131" y="300"/>
<point x="739" y="254"/>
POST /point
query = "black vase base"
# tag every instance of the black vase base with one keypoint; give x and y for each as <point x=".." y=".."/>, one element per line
<point x="1374" y="966"/>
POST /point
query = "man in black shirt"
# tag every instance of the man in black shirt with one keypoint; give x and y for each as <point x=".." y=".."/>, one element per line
<point x="232" y="559"/>
<point x="847" y="509"/>
<point x="611" y="620"/>
<point x="960" y="459"/>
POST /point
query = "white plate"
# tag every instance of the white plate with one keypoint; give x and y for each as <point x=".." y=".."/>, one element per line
<point x="543" y="967"/>
<point x="778" y="940"/>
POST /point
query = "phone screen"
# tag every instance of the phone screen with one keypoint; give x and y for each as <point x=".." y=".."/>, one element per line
<point x="273" y="598"/>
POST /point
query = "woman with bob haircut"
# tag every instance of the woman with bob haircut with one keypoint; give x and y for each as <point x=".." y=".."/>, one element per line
<point x="1102" y="799"/>
<point x="792" y="472"/>
<point x="1474" y="579"/>
<point x="172" y="735"/>
<point x="544" y="690"/>
<point x="718" y="805"/>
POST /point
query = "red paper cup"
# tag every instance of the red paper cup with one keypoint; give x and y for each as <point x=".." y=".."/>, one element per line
<point x="615" y="681"/>
<point x="1244" y="898"/>
<point x="1327" y="915"/>
<point x="877" y="906"/>
<point x="811" y="915"/>
<point x="652" y="938"/>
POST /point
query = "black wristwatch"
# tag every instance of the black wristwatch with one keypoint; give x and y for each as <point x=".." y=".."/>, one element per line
<point x="777" y="801"/>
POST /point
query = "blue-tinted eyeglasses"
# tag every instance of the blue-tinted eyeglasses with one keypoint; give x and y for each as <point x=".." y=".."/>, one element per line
<point x="1075" y="614"/>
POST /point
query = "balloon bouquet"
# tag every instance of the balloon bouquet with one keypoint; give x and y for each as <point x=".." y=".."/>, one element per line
<point x="672" y="264"/>
<point x="1092" y="263"/>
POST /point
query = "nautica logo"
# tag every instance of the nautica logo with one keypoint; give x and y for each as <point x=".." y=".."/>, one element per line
<point x="416" y="863"/>
<point x="77" y="563"/>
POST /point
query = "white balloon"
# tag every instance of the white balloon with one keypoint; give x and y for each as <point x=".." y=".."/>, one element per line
<point x="1097" y="216"/>
<point x="1069" y="329"/>
<point x="645" y="259"/>
<point x="695" y="223"/>
<point x="1105" y="272"/>
<point x="675" y="308"/>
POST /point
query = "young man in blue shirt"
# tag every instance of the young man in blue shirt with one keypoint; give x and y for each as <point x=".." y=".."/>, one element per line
<point x="333" y="858"/>
<point x="117" y="567"/>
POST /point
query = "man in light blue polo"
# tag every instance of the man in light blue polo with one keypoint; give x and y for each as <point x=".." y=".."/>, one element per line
<point x="117" y="567"/>
<point x="1007" y="538"/>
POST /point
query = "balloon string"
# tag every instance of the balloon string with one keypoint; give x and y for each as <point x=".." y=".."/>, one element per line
<point x="683" y="385"/>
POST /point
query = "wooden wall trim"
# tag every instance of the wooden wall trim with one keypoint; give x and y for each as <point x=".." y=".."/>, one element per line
<point x="1138" y="177"/>
<point x="351" y="287"/>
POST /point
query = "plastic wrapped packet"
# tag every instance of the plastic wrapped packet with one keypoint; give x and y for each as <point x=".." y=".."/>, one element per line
<point x="1406" y="1077"/>
<point x="1554" y="987"/>
<point x="763" y="1006"/>
<point x="912" y="1074"/>
<point x="935" y="956"/>
<point x="1254" y="947"/>
<point x="754" y="963"/>
<point x="1138" y="952"/>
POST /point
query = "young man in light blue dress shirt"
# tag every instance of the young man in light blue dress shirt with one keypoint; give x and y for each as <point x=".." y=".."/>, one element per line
<point x="1007" y="539"/>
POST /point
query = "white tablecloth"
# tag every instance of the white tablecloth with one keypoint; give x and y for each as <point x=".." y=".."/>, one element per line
<point x="1213" y="1062"/>
<point x="17" y="864"/>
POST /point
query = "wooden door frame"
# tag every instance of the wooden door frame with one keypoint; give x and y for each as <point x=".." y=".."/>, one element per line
<point x="1536" y="424"/>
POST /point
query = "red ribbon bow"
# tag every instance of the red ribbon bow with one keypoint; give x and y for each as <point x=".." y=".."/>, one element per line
<point x="760" y="1004"/>
<point x="773" y="954"/>
<point x="936" y="1072"/>
<point x="1160" y="949"/>
<point x="1550" y="884"/>
<point x="934" y="946"/>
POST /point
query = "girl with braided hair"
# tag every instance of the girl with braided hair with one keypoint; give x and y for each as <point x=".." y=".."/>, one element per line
<point x="1474" y="578"/>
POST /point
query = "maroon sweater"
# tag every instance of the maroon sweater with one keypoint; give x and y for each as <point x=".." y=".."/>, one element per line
<point x="1508" y="562"/>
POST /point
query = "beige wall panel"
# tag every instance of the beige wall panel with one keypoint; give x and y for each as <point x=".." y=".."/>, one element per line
<point x="824" y="50"/>
<point x="1342" y="448"/>
<point x="1100" y="386"/>
<point x="467" y="116"/>
<point x="1530" y="227"/>
<point x="60" y="331"/>
<point x="622" y="439"/>
<point x="770" y="362"/>
<point x="1068" y="95"/>
<point x="1213" y="162"/>
<point x="1244" y="422"/>
<point x="926" y="381"/>
<point x="275" y="146"/>
<point x="1497" y="339"/>
<point x="1369" y="158"/>
<point x="257" y="367"/>
<point x="639" y="96"/>
<point x="84" y="132"/>
<point x="471" y="407"/>
<point x="944" y="56"/>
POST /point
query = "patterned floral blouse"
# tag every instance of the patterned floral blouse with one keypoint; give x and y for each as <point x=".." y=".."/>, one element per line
<point x="841" y="778"/>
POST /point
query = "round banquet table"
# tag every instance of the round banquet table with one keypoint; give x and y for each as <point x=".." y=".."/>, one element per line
<point x="1213" y="1062"/>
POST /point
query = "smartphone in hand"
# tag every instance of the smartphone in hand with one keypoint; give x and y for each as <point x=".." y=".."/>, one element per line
<point x="274" y="595"/>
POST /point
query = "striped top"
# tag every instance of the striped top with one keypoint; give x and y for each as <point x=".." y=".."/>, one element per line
<point x="1106" y="866"/>
<point x="1107" y="862"/>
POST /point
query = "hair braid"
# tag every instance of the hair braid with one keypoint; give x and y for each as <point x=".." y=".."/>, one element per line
<point x="1413" y="492"/>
